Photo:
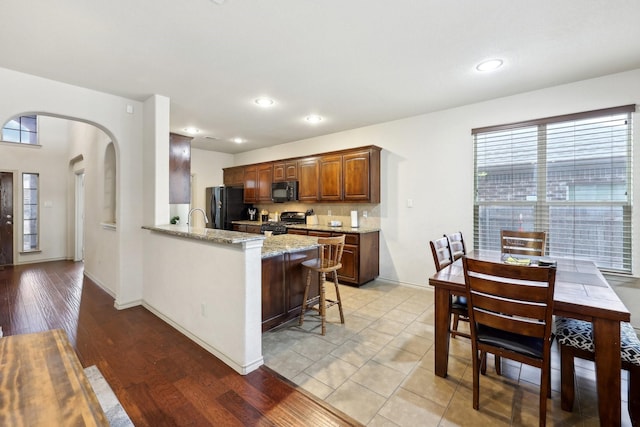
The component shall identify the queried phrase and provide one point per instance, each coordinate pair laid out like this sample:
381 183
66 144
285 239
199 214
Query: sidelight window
569 176
30 209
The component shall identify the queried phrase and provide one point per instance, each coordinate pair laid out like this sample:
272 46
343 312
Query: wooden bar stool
330 261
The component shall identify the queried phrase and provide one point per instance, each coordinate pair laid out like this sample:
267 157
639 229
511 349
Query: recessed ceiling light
264 102
490 64
238 140
313 118
191 131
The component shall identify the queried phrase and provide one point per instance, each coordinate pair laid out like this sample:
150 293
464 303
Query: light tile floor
378 367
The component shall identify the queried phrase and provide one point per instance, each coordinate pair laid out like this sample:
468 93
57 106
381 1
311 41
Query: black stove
286 218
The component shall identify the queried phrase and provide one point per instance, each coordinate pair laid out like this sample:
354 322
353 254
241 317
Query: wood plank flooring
160 376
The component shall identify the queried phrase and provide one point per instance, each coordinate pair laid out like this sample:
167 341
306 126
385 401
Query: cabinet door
251 184
179 169
349 270
296 280
233 176
296 231
308 174
265 173
239 227
273 291
255 229
291 170
278 172
357 182
331 178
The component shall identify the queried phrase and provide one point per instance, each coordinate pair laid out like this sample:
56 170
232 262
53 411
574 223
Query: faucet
206 220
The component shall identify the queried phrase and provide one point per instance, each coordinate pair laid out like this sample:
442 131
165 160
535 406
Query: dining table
581 292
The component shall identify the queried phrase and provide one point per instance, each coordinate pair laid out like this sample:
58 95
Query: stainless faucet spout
206 220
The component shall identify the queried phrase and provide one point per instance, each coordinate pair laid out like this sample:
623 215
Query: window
569 176
23 130
30 212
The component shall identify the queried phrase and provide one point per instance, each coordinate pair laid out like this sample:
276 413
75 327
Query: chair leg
338 299
454 327
544 387
498 362
477 362
567 378
633 399
304 298
323 303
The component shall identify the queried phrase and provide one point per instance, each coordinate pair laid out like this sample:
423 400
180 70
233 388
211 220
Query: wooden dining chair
456 245
510 313
440 249
457 249
329 262
575 339
531 243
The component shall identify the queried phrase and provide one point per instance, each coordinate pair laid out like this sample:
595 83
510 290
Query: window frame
35 132
24 216
541 205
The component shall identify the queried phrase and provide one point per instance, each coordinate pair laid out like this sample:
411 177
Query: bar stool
330 261
575 338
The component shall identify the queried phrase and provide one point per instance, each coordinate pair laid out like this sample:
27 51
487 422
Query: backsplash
331 211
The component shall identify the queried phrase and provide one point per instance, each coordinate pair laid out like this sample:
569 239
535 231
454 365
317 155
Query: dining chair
530 243
457 249
440 249
329 262
456 245
510 313
575 339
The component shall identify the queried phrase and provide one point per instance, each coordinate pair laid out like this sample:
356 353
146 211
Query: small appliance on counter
253 214
311 218
264 215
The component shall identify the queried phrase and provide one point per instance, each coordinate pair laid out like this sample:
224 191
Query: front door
6 218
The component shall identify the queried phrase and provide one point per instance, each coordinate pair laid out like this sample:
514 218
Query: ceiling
354 62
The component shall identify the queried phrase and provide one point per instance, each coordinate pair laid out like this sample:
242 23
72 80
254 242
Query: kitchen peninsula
215 292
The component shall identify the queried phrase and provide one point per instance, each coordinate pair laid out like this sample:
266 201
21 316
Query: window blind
568 175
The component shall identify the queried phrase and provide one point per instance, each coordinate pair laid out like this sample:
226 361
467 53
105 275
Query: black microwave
285 191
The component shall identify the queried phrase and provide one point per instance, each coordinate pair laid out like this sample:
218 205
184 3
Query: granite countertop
271 246
208 234
284 243
344 229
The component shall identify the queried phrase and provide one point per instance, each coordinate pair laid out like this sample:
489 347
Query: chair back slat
530 243
441 253
332 249
522 305
457 247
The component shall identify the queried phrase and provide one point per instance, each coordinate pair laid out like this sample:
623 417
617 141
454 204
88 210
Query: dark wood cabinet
251 184
179 169
331 178
233 176
255 229
361 172
283 283
308 176
295 231
285 171
239 227
360 258
265 178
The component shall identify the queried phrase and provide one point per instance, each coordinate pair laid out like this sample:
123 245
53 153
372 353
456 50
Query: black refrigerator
225 204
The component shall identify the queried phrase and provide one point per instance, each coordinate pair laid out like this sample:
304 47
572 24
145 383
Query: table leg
606 336
442 325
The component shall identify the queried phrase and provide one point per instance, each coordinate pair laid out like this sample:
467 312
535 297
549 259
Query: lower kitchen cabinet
360 258
283 283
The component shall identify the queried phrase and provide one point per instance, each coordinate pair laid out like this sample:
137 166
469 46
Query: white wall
429 159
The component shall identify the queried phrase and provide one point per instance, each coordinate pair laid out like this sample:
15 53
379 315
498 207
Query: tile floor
378 368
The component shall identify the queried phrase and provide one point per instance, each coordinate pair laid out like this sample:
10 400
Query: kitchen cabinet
285 171
251 184
361 174
240 227
308 177
233 176
179 169
331 178
360 258
245 228
265 178
296 231
283 283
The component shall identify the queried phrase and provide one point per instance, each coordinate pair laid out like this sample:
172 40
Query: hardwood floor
160 376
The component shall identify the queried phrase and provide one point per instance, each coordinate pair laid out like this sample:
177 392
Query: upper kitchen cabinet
265 178
179 169
251 184
331 178
361 174
233 176
308 179
285 171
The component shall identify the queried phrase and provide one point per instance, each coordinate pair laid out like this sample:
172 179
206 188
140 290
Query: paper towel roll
354 219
